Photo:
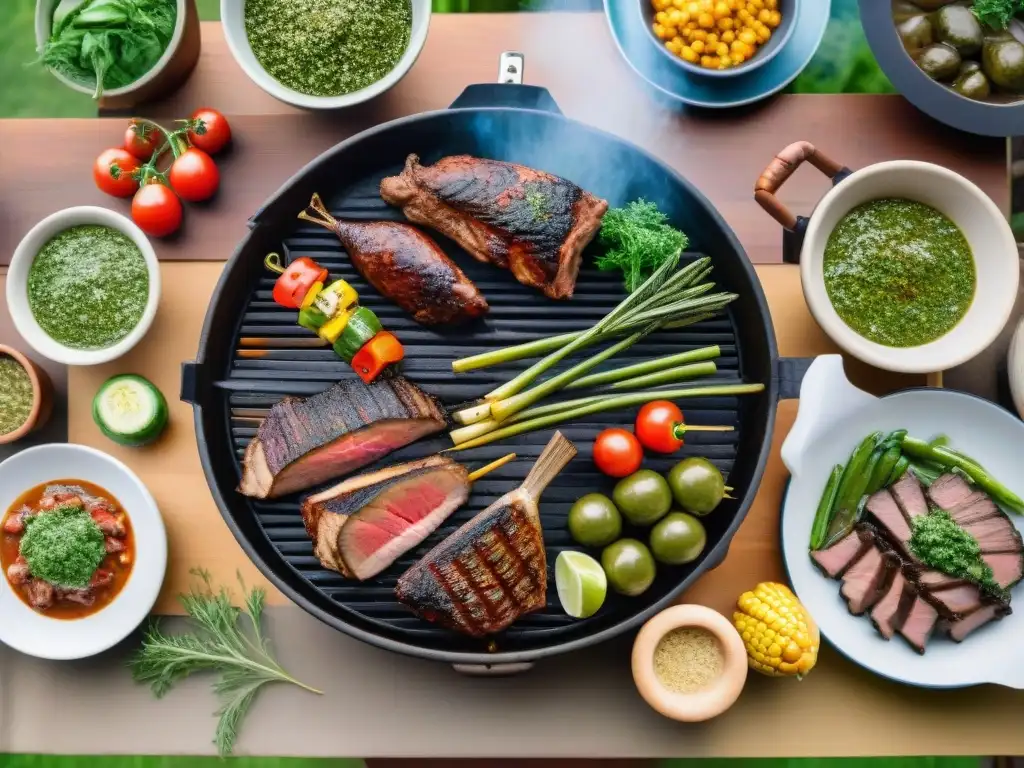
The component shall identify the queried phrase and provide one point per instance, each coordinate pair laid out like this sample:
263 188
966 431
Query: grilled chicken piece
493 569
362 525
303 442
834 561
919 624
514 217
405 266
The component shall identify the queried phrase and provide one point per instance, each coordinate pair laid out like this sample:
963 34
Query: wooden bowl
42 396
707 702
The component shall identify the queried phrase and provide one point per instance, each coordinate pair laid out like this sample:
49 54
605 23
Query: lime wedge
582 584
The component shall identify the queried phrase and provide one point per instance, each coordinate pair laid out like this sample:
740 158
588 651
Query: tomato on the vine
113 171
141 140
156 209
194 175
209 130
617 452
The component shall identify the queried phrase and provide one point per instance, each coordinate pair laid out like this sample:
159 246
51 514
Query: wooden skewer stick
476 475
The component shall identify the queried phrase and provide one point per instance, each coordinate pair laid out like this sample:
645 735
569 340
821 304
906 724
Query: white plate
834 417
36 634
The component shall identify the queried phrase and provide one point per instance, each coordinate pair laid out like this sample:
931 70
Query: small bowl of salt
689 663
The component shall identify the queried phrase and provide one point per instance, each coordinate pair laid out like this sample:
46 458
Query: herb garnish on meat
941 544
63 547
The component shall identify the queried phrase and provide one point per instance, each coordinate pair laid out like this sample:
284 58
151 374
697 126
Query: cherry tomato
210 131
124 185
655 426
156 209
617 452
194 175
142 141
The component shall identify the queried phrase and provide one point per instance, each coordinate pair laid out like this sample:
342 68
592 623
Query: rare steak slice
834 561
919 624
891 611
890 518
974 508
304 442
995 534
958 630
949 491
909 496
868 579
1007 567
956 601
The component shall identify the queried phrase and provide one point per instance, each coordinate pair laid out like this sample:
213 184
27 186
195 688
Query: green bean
884 468
823 517
898 471
950 460
855 480
939 441
896 436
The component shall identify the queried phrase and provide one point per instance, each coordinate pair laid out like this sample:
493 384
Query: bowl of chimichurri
26 395
325 54
83 286
906 265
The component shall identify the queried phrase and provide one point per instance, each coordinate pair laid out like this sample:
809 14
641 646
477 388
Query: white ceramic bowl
17 285
35 633
987 231
232 15
44 25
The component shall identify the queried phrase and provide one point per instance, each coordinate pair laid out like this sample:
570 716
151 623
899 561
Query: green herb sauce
328 47
63 547
898 272
88 287
941 544
15 394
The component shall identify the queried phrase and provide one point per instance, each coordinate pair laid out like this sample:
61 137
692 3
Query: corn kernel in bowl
715 34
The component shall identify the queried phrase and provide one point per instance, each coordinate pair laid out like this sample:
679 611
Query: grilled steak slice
868 579
493 569
958 630
891 611
406 266
931 579
954 602
892 522
995 534
1007 567
909 496
834 561
362 525
975 507
919 624
515 217
304 442
949 491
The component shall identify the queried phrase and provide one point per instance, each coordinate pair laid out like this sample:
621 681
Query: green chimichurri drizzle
15 394
899 272
88 287
328 47
940 543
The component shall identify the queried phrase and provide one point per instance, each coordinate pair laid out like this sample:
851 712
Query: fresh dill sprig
219 644
997 13
638 241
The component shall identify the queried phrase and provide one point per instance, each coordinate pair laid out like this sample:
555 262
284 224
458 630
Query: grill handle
189 382
509 92
491 670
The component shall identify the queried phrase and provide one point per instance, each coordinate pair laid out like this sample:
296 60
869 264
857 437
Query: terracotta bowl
708 702
42 396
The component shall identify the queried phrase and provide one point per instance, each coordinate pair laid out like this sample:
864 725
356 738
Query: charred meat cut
891 611
883 507
493 569
303 442
974 508
994 534
919 624
868 579
958 630
405 266
514 217
909 496
834 561
954 602
1007 567
949 491
362 525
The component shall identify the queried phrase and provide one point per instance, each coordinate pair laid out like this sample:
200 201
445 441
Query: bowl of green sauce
83 286
325 54
906 265
26 395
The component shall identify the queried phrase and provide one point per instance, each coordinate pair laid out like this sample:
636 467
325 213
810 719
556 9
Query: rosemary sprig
219 644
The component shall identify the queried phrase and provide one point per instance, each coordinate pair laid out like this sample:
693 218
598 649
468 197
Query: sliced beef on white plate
975 507
928 578
868 579
891 611
1007 567
834 561
919 624
955 602
958 630
949 491
883 508
909 496
995 534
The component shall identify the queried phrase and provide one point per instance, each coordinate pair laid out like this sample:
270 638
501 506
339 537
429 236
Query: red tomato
210 131
122 186
194 175
142 141
655 426
157 210
617 452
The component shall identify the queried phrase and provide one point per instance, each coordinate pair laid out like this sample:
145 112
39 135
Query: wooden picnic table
378 704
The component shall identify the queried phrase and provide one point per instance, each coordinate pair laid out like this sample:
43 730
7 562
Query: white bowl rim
238 43
894 358
44 27
149 572
17 298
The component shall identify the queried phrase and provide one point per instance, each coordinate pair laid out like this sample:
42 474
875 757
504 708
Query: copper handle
781 168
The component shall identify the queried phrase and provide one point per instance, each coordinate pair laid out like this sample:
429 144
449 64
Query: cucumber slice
130 410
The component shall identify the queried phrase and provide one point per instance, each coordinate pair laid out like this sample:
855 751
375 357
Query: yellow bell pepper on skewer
332 329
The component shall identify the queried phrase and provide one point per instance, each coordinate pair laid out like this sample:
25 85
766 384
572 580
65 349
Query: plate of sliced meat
901 529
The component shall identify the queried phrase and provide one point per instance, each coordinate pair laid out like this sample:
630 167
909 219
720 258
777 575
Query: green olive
973 85
939 61
915 32
643 498
629 566
697 485
678 538
957 26
594 520
1002 59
